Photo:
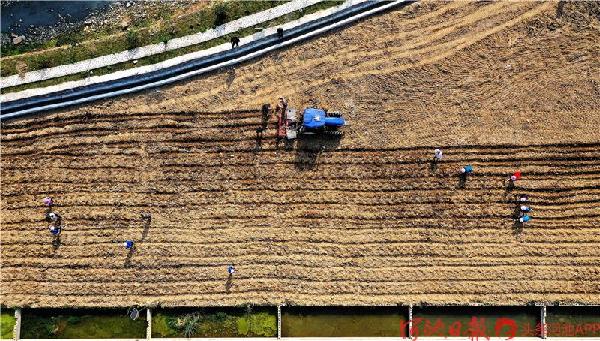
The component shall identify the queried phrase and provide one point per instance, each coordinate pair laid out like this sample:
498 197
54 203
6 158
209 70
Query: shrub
133 39
220 14
188 324
73 319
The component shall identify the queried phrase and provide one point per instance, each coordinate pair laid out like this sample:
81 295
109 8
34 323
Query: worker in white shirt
437 155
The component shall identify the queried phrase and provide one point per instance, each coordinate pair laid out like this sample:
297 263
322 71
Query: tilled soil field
360 220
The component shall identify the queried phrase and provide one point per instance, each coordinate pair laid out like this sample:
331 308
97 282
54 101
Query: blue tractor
317 121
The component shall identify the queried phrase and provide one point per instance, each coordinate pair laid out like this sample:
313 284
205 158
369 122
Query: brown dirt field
500 85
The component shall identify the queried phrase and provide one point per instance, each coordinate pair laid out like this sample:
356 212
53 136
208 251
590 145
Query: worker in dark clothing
53 217
235 42
266 112
280 33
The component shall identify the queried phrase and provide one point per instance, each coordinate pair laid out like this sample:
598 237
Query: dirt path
366 220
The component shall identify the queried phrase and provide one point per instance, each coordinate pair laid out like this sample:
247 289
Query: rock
18 40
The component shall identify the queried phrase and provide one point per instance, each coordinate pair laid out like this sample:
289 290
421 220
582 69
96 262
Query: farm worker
231 270
128 244
235 42
525 208
52 217
266 112
524 219
55 230
523 198
282 103
48 201
437 155
516 176
468 169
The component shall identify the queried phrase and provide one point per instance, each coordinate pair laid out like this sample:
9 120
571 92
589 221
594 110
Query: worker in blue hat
467 170
128 244
464 173
524 218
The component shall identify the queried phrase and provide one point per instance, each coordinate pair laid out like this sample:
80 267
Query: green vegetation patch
344 322
72 47
215 322
80 324
7 323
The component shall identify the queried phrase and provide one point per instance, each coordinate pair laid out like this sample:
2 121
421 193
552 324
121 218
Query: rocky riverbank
29 26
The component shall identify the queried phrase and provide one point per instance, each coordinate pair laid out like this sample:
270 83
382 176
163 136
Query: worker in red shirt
516 176
512 179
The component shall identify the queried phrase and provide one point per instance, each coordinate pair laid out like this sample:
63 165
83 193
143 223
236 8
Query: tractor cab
318 121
